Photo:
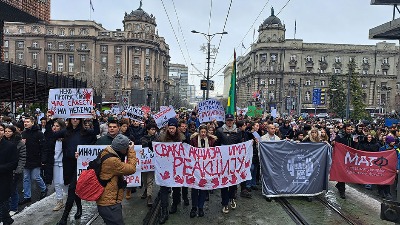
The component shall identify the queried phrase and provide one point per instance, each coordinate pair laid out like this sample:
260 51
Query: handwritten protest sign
146 109
211 109
135 180
163 107
70 102
241 111
135 113
146 160
254 111
87 153
162 117
179 164
115 110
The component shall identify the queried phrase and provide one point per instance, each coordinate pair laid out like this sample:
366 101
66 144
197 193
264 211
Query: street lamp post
209 37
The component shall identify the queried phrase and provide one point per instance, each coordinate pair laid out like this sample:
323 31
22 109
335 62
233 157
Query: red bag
88 187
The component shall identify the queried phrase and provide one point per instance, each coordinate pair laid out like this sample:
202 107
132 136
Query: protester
148 177
384 190
8 163
228 134
113 169
11 134
35 158
200 140
74 135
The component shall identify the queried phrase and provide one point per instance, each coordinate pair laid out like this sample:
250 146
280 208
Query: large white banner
135 113
179 164
162 117
211 109
88 153
71 102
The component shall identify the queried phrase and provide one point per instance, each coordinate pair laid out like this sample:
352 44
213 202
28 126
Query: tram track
301 219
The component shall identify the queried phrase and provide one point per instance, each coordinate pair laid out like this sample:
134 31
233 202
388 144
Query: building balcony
309 64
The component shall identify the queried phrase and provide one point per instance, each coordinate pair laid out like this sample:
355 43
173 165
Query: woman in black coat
73 136
8 163
369 144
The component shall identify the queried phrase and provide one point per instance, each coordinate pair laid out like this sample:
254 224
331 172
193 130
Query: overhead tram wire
253 25
262 10
180 29
220 39
209 18
173 30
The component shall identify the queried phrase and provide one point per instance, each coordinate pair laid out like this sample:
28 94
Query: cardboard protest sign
162 117
211 109
178 164
135 113
135 180
70 102
87 153
146 160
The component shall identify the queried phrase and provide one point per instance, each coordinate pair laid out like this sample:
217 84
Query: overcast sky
318 21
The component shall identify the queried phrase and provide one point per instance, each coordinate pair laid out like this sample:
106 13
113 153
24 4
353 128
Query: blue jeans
32 174
14 193
252 182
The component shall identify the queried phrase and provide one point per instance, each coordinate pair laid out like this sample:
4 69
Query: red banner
353 166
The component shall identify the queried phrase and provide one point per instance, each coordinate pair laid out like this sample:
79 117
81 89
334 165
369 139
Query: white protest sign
242 111
162 108
135 113
178 164
115 110
135 180
71 102
162 117
273 112
211 109
146 160
41 115
87 153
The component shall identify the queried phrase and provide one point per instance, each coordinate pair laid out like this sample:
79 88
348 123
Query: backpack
89 186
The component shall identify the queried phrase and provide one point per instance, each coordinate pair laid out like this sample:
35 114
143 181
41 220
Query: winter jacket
346 139
285 130
112 168
16 139
226 136
371 146
147 141
8 163
36 148
194 140
137 133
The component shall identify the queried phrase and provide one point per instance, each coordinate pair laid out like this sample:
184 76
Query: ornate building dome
140 15
272 20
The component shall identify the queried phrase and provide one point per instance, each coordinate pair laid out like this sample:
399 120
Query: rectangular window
351 59
49 58
61 32
118 59
82 68
71 32
34 65
365 60
60 45
337 59
118 70
104 70
136 59
104 59
263 57
385 60
6 44
20 44
20 55
271 81
293 57
118 49
322 83
307 96
83 58
72 46
49 66
323 58
83 46
309 58
147 51
274 57
34 55
21 30
6 56
137 50
337 71
60 58
147 61
71 59
103 48
308 83
35 44
71 68
60 67
322 71
49 45
384 72
365 72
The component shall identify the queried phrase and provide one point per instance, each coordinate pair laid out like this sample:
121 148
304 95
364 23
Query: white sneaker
59 205
12 213
233 204
225 209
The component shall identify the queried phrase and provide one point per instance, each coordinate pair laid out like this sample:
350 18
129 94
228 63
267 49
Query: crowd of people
44 150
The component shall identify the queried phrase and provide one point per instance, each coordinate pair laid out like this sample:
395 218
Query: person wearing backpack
113 169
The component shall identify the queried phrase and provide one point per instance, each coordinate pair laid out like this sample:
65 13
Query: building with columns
131 63
284 71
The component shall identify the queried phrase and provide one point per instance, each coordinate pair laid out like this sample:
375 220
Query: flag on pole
295 27
231 107
243 45
91 5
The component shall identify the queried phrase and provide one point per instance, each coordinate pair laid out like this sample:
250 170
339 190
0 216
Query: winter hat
120 142
389 139
173 122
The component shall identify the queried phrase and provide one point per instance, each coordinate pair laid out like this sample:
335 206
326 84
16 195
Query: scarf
199 145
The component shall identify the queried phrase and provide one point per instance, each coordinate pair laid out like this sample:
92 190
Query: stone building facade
283 72
123 64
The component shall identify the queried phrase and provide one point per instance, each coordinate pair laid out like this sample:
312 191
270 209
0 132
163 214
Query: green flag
231 107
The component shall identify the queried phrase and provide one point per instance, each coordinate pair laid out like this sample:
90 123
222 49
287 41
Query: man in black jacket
228 134
347 139
8 163
35 158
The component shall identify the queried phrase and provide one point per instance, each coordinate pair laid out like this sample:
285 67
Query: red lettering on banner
186 167
237 149
57 103
174 150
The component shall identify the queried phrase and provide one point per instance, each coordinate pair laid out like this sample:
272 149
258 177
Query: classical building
123 64
283 72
